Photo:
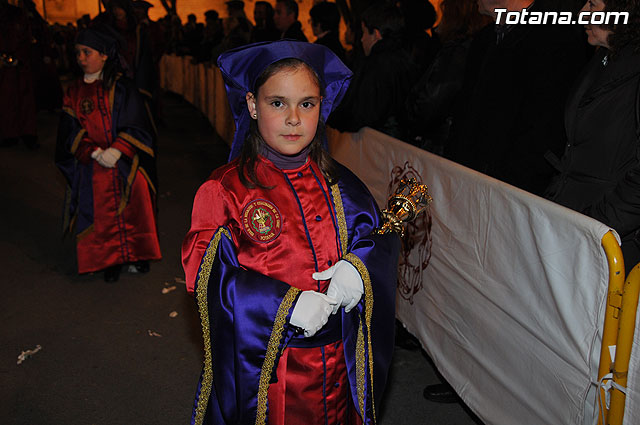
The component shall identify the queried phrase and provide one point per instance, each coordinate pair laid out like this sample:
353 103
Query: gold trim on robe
146 177
360 369
203 307
368 306
271 353
124 200
145 93
150 114
85 232
368 314
342 222
70 111
112 94
135 142
76 141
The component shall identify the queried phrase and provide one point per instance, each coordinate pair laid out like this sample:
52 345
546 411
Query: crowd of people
551 109
28 76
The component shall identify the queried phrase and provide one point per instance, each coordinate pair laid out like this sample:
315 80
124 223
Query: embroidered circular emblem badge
261 220
86 106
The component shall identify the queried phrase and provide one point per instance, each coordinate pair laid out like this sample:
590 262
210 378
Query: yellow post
623 346
612 312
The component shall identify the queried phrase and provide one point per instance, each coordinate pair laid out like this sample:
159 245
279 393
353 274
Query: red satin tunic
286 233
114 238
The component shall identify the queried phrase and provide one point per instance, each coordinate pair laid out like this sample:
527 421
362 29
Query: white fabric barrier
505 290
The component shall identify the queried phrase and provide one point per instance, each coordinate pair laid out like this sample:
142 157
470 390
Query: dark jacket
294 32
377 94
600 169
430 103
510 112
332 41
268 33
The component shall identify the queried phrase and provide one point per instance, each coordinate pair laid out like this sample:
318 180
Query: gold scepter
410 199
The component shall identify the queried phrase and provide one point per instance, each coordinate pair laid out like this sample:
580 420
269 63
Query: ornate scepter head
410 199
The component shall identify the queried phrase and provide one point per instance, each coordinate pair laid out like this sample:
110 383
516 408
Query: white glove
311 312
109 157
96 153
345 286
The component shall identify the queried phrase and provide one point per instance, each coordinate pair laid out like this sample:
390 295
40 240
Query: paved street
112 354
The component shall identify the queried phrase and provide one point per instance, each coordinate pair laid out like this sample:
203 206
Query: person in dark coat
430 103
17 99
235 9
419 17
152 28
237 29
135 45
192 33
47 87
325 23
286 19
600 168
516 82
212 36
381 81
265 28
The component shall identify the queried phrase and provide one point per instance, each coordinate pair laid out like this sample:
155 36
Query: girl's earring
255 115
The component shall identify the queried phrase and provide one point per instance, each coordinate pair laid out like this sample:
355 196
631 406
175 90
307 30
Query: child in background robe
296 295
106 152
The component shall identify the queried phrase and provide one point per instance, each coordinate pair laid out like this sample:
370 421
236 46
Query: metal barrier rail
619 327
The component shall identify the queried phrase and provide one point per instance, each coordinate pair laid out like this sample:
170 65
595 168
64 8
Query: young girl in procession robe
295 292
106 152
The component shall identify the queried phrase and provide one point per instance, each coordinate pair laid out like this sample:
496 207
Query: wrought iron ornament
410 199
